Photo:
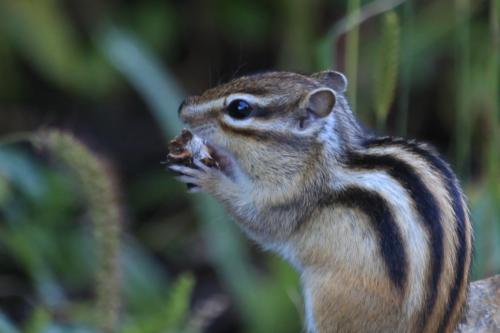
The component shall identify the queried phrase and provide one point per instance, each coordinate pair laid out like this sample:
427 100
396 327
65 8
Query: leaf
171 315
38 322
41 32
143 279
4 190
145 73
177 305
6 326
22 172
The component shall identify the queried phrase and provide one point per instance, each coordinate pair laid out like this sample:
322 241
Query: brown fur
280 170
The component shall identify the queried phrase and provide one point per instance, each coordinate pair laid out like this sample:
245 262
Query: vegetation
96 237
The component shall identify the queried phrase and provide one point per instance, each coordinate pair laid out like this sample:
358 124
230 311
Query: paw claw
187 179
185 170
194 189
199 177
200 165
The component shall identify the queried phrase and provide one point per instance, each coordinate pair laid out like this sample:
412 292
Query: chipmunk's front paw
199 178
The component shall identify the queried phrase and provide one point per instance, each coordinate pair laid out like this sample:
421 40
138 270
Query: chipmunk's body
377 227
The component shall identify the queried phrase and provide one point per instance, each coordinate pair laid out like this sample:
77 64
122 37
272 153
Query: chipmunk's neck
340 134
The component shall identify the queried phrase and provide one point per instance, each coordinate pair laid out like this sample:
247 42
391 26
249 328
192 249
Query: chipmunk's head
272 122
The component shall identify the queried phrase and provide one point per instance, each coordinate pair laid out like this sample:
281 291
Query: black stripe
382 220
452 187
426 206
262 113
296 143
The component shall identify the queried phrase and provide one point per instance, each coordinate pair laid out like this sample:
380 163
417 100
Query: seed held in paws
186 148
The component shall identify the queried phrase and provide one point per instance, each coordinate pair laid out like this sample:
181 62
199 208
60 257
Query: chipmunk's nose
186 104
183 110
179 110
183 105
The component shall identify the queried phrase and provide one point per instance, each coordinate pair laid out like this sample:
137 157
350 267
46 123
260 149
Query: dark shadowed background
95 235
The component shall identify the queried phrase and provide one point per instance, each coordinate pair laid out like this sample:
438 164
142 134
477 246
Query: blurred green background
95 236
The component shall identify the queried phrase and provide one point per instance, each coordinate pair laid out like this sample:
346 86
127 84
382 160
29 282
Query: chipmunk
378 227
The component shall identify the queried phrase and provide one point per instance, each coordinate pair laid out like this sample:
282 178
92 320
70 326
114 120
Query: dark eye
239 109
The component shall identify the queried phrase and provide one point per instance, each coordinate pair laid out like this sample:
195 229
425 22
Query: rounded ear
332 79
319 101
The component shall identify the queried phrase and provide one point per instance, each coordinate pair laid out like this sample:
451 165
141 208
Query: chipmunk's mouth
225 159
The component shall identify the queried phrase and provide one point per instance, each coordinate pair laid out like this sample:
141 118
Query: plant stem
352 48
406 67
298 35
493 162
326 50
463 123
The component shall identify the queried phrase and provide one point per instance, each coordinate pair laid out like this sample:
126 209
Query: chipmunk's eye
239 109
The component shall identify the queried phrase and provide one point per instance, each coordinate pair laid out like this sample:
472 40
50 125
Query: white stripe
310 323
414 236
252 99
206 106
222 102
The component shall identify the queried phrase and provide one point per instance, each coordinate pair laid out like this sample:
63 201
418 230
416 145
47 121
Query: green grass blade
463 123
47 39
406 67
7 326
144 72
386 72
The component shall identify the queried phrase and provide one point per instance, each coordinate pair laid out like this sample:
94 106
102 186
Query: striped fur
427 208
377 227
462 223
383 223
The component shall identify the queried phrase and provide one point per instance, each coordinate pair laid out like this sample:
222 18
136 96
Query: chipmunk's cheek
218 146
224 158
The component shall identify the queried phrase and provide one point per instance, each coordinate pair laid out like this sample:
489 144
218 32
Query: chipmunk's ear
319 101
332 79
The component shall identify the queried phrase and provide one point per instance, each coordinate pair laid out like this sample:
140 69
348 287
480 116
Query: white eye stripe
243 123
252 99
206 106
223 102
